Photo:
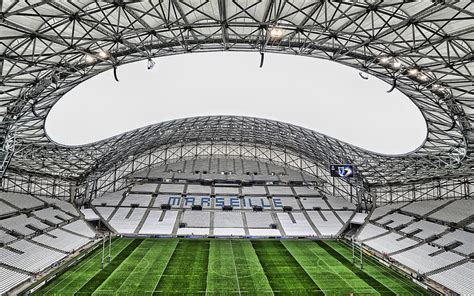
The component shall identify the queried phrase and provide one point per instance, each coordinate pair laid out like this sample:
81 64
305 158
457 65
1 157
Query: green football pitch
228 267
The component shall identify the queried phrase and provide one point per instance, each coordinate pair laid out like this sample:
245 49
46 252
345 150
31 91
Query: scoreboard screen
341 170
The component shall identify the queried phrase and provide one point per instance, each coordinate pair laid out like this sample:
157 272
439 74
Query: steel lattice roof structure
424 49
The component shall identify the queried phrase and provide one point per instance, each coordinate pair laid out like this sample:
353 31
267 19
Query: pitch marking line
167 263
235 267
129 274
396 274
327 266
92 258
368 278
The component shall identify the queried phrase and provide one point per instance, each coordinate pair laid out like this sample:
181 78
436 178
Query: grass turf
228 267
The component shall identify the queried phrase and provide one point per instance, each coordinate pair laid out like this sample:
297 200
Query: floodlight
413 72
384 60
276 32
396 64
438 88
90 59
104 54
423 77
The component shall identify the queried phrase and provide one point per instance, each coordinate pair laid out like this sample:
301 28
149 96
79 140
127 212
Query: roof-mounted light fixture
275 32
413 72
104 54
396 64
90 59
384 60
422 76
438 88
390 62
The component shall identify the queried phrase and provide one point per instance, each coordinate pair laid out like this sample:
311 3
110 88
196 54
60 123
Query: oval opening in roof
320 95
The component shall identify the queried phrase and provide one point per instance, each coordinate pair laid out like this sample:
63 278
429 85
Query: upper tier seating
280 190
287 201
198 189
465 238
171 188
428 229
5 237
204 201
144 188
395 220
254 190
201 165
63 205
52 215
5 209
234 191
338 203
459 278
248 202
225 165
422 208
31 257
215 167
111 199
314 202
233 201
383 210
173 200
21 201
142 200
305 191
370 230
455 212
9 279
23 225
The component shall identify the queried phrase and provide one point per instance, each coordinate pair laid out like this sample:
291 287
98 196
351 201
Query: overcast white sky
324 96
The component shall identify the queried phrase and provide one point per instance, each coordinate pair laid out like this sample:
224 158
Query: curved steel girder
46 42
317 147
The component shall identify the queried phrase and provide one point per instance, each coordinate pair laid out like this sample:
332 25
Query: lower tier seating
432 238
295 224
459 278
9 279
175 222
28 256
36 234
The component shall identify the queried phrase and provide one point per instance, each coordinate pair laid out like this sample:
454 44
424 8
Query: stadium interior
235 204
